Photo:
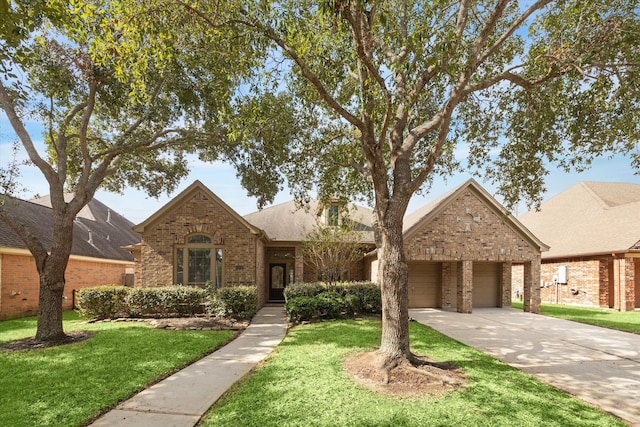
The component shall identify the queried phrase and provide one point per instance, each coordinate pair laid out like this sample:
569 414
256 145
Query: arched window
198 261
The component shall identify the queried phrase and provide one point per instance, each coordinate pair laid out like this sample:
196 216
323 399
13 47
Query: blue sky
221 179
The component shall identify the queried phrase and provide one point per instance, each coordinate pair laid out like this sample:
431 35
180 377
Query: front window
198 262
333 213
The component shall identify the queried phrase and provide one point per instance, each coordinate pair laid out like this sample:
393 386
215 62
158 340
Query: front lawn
69 385
303 384
627 321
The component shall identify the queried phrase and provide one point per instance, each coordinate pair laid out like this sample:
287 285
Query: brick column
532 286
505 284
465 286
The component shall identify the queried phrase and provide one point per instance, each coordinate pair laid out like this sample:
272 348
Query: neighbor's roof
423 215
291 223
589 218
109 230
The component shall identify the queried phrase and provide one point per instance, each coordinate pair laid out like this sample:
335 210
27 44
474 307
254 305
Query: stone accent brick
465 286
467 229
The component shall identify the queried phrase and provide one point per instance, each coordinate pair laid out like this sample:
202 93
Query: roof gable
184 197
589 218
422 217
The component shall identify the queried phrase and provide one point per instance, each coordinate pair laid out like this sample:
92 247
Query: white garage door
485 284
424 284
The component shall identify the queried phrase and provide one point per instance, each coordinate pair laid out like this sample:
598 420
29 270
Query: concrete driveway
598 365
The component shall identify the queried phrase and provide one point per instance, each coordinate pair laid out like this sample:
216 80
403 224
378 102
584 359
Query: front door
277 281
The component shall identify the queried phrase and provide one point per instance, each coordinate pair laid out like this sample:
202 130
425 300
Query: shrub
165 301
368 294
102 302
301 308
333 300
237 302
330 304
303 289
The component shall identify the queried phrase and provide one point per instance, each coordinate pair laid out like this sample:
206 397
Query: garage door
485 284
424 284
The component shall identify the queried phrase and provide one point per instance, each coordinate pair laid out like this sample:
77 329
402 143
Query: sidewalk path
181 399
600 366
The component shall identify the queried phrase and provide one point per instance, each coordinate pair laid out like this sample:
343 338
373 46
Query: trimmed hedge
236 302
166 301
102 302
105 302
300 309
305 301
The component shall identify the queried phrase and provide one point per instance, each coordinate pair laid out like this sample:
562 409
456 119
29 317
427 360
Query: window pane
199 265
199 238
333 215
218 267
179 266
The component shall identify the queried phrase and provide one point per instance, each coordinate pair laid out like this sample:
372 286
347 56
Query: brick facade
20 283
199 213
603 281
465 230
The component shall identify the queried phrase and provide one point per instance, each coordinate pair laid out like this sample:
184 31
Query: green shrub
330 304
333 300
368 294
237 302
304 289
300 309
102 302
144 302
165 301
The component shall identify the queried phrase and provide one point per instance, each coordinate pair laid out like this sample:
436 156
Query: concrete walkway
182 399
598 365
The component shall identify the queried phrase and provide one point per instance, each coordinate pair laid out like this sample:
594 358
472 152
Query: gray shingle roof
109 230
290 223
588 218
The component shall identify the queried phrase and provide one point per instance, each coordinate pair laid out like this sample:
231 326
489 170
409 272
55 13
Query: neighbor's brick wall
19 282
591 277
197 215
467 229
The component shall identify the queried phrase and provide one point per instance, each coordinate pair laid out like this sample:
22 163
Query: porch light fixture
432 250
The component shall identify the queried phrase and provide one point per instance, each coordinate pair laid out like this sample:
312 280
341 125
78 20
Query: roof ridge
591 191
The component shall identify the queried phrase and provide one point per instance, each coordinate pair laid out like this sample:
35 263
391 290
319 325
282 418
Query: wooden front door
277 281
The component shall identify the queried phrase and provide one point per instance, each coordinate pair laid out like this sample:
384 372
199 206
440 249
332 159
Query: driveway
598 365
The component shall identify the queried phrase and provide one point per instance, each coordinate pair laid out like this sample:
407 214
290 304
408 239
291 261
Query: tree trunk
50 307
395 291
52 279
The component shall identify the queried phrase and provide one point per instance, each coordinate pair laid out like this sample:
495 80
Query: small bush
300 309
330 304
331 301
102 302
303 289
368 294
237 302
165 301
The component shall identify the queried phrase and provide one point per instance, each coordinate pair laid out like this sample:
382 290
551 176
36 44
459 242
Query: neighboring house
593 229
460 248
96 255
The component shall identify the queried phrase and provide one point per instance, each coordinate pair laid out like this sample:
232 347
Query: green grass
628 321
303 384
71 384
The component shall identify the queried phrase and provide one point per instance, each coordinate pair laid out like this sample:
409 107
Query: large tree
118 108
388 92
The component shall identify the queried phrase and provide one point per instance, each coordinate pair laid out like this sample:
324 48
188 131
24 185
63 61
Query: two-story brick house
460 248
